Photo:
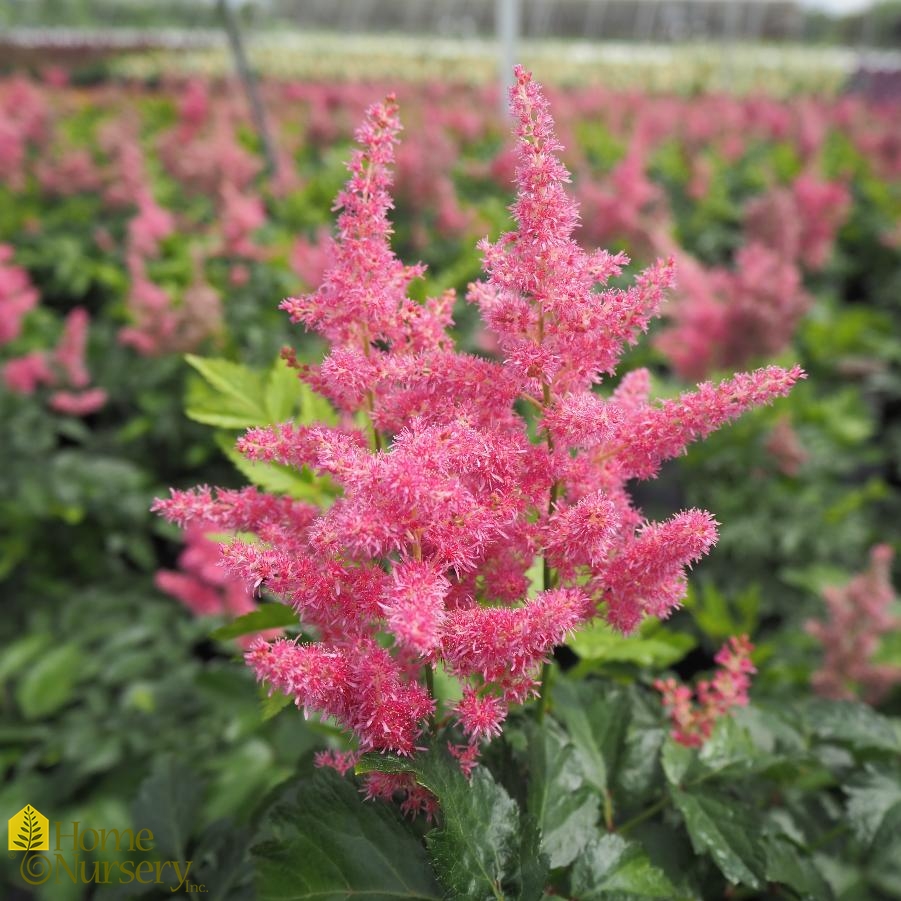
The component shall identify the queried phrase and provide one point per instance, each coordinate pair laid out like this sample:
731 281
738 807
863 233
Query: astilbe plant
423 560
859 614
694 714
62 368
203 586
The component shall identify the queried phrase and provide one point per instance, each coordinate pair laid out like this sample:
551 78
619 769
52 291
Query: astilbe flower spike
693 721
858 615
446 504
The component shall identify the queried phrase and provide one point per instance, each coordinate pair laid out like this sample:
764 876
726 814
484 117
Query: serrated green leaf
596 717
884 864
476 847
729 749
232 397
167 804
638 770
483 848
727 831
565 806
322 840
266 616
787 865
612 864
275 478
871 795
856 725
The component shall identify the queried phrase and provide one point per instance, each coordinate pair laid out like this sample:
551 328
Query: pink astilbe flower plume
427 557
693 721
62 368
205 587
17 296
858 615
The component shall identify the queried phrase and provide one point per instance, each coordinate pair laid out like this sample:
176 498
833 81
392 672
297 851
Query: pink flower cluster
799 222
447 502
63 368
728 317
693 714
202 585
858 615
17 296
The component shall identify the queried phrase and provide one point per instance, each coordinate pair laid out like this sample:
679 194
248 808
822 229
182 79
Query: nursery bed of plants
557 464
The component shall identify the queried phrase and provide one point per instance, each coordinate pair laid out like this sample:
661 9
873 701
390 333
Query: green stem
646 814
430 687
544 695
548 575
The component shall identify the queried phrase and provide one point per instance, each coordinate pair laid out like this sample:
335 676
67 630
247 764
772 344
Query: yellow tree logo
29 830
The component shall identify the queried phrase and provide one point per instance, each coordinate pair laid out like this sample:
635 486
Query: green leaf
785 864
476 850
596 717
49 682
483 848
275 477
655 646
535 577
266 616
167 804
15 656
322 840
729 748
533 864
638 770
613 864
870 797
727 831
677 761
853 724
283 392
565 806
241 776
884 864
273 704
232 398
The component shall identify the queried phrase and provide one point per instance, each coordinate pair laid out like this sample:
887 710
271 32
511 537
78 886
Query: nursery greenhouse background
451 449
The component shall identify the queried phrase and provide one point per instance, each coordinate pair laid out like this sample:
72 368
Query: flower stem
430 687
608 810
544 697
646 814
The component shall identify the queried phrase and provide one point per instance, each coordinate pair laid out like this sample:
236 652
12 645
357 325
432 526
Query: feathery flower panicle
203 585
693 721
447 507
17 296
62 368
647 576
858 615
